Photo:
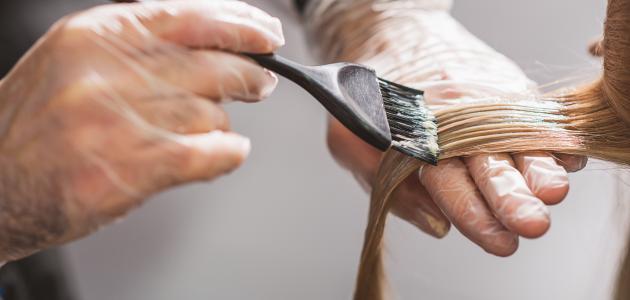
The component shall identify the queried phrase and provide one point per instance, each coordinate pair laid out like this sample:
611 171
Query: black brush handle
323 83
318 81
293 71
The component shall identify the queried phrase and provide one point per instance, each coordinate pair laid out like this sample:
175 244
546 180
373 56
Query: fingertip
215 153
257 83
269 26
534 228
546 179
222 142
224 76
554 194
504 244
231 148
277 39
235 143
440 227
268 86
241 146
571 163
532 220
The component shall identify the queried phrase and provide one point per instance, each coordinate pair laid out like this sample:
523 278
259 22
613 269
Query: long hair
591 120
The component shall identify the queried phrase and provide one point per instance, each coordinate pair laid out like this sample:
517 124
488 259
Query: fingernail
431 225
504 244
440 227
270 86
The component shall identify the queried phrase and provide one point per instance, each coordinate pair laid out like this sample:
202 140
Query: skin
120 102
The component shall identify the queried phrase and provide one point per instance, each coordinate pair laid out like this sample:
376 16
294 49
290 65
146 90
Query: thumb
212 154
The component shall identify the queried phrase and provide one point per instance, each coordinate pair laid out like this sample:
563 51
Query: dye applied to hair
593 120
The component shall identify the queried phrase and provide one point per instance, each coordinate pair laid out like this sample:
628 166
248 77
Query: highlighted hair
592 120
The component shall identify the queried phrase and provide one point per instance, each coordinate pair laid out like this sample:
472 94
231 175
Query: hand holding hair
491 198
118 102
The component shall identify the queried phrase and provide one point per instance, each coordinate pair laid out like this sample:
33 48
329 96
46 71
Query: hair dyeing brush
380 112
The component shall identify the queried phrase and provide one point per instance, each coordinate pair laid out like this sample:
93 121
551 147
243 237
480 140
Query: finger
452 189
184 114
508 195
157 163
215 74
212 74
226 25
209 155
571 163
412 203
545 178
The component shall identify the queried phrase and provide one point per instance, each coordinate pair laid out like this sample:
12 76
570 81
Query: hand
492 199
117 103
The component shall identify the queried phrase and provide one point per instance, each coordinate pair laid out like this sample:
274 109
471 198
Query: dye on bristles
411 123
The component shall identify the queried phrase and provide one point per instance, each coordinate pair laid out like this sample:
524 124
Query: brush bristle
412 125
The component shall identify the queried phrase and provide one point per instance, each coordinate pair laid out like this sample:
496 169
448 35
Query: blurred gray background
289 223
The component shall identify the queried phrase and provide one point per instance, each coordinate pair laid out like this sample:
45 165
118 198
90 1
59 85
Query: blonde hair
592 120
